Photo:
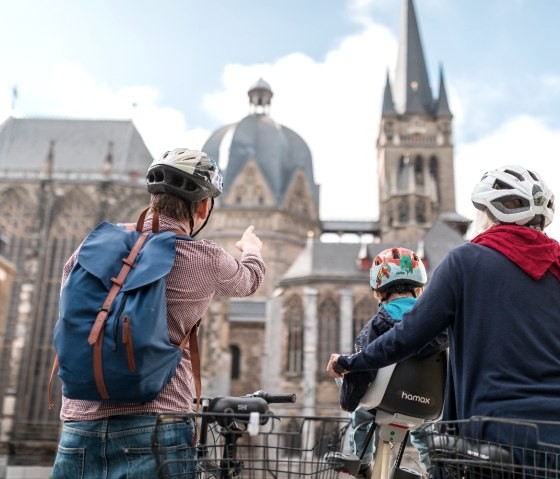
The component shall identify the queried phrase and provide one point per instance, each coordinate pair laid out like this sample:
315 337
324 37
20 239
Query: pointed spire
442 106
388 104
108 164
49 160
260 95
412 91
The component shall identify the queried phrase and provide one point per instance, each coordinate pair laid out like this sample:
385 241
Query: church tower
415 145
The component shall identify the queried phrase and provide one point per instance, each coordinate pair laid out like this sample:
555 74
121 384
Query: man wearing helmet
499 298
183 184
397 278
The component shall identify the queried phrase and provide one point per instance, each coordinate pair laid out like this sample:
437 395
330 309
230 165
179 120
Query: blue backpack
111 338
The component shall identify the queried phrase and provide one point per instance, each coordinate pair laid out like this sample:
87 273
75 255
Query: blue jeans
361 421
120 447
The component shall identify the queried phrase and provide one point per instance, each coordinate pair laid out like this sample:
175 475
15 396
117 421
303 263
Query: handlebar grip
276 398
338 368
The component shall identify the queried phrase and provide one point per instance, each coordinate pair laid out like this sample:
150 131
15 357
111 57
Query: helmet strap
191 221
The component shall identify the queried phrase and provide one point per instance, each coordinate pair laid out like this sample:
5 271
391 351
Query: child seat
412 388
404 395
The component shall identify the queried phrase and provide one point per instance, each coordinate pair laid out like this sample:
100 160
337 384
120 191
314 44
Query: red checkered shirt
202 269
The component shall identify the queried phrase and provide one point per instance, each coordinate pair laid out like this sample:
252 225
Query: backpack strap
192 340
53 370
139 226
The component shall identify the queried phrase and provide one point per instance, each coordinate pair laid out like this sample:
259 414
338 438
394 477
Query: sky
181 69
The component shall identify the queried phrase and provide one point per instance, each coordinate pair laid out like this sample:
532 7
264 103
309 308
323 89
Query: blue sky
187 65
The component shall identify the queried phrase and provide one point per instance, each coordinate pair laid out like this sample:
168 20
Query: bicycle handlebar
338 368
277 398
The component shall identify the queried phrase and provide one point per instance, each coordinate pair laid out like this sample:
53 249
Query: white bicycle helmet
190 174
512 194
397 267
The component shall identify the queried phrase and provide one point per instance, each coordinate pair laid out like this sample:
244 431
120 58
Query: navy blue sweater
504 334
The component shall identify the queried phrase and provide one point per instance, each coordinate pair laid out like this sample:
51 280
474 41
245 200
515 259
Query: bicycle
241 437
489 447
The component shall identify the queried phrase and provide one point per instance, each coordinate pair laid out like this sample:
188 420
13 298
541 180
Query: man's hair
172 206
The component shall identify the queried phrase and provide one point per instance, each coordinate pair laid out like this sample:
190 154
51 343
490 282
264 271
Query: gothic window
420 211
235 361
434 173
419 171
250 175
239 195
388 127
402 177
329 329
294 316
363 311
299 198
403 211
292 437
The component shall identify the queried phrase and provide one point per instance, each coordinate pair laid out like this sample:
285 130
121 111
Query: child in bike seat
397 278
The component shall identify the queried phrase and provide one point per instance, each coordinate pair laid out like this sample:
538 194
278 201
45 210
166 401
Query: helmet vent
500 185
516 174
533 175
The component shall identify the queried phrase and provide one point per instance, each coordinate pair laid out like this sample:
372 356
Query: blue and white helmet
513 194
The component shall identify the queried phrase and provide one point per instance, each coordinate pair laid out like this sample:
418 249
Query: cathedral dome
279 153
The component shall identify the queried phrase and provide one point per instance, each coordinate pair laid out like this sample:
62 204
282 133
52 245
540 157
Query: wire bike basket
252 446
492 448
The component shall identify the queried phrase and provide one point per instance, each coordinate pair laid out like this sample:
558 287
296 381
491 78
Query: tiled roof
78 145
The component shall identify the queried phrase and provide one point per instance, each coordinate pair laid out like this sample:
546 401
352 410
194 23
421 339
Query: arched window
402 177
419 171
363 311
434 173
403 211
294 315
420 211
235 361
292 437
329 329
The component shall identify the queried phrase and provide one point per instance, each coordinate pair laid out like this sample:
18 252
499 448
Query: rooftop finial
108 164
49 160
260 95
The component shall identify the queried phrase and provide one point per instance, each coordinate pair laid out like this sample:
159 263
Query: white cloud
334 105
69 91
523 140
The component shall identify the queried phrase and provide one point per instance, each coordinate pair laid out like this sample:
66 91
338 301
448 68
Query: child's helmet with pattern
397 266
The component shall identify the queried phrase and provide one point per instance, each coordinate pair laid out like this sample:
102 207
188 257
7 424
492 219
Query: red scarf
530 249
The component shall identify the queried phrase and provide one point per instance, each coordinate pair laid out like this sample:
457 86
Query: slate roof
277 150
79 145
338 262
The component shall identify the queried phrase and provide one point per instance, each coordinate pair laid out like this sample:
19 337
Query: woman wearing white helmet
110 437
499 298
